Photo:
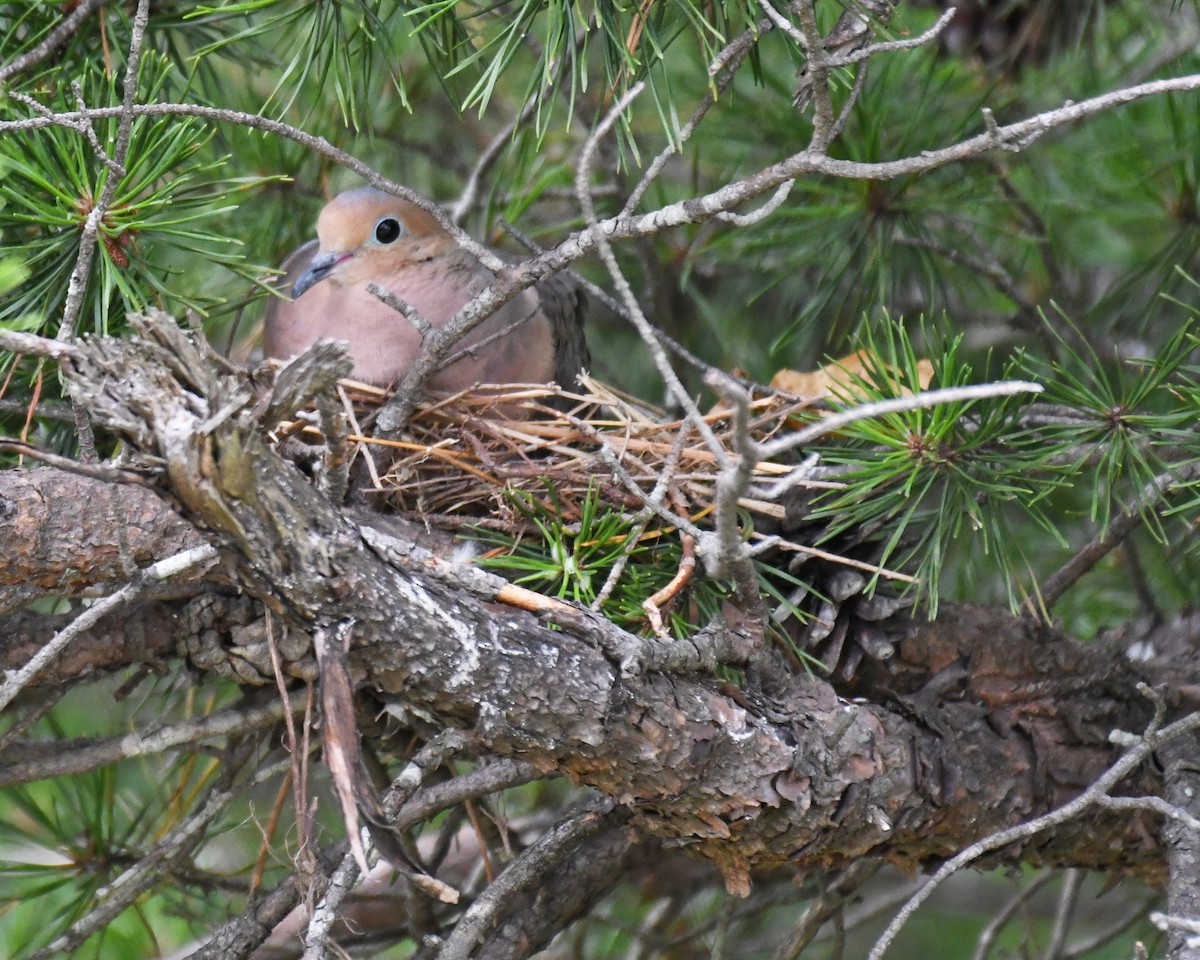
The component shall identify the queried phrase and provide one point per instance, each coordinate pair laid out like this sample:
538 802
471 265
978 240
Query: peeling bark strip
954 746
340 736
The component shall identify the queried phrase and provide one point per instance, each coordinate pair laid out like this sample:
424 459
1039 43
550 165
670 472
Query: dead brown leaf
843 377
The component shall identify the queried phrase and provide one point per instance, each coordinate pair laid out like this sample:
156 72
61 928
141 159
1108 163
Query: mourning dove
366 235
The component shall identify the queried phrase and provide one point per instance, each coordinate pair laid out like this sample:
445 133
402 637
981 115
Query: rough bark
980 721
63 532
1182 787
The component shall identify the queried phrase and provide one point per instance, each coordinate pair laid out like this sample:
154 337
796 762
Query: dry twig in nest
461 453
491 457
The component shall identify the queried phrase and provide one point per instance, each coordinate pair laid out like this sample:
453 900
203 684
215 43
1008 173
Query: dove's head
366 234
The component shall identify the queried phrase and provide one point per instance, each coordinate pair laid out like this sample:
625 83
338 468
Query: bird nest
461 458
504 458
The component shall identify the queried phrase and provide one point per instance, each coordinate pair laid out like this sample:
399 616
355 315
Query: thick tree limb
974 738
58 534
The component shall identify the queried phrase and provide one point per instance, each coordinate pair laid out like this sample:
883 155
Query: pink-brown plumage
425 267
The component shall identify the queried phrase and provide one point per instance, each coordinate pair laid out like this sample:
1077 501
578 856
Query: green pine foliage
924 479
1096 230
1073 263
572 560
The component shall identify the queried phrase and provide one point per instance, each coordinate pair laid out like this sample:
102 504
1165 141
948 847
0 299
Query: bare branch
1087 945
54 39
348 874
91 226
46 409
749 219
999 920
1064 912
156 573
1181 784
1061 580
694 210
87 131
1128 762
29 344
853 31
817 74
402 307
889 46
641 324
860 84
241 936
426 803
1156 805
1173 924
107 472
533 865
142 743
726 547
783 23
642 518
917 401
613 461
832 899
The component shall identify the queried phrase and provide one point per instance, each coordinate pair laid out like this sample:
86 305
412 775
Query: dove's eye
388 230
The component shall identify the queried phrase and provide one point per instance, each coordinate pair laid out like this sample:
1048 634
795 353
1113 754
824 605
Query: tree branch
805 777
54 39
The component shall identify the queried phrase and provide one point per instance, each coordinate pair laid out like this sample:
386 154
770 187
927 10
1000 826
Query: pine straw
462 456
